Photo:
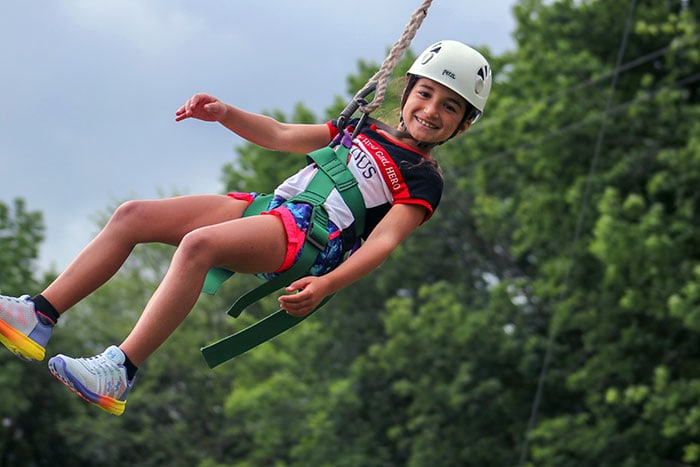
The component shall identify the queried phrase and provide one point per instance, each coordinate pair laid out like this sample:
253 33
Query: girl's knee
128 218
127 211
196 246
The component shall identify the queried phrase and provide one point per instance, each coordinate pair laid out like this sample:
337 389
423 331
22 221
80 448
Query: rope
577 235
381 77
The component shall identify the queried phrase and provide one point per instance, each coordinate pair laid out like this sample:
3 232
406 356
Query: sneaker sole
19 344
106 403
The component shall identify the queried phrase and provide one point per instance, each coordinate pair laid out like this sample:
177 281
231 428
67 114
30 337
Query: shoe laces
19 301
100 365
108 374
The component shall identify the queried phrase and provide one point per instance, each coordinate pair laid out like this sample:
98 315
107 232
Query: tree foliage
539 248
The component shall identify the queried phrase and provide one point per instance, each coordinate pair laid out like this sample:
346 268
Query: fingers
301 301
297 304
200 106
185 111
181 114
299 284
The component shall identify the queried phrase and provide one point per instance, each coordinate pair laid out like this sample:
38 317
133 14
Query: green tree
621 298
620 354
21 397
435 358
21 233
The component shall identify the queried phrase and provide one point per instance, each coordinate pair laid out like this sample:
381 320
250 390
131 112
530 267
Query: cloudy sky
90 88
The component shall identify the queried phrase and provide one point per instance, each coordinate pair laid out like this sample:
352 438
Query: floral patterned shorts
296 218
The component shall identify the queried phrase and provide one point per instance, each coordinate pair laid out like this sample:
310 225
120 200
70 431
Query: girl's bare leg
134 222
252 244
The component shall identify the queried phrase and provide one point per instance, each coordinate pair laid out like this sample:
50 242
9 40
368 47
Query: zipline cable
584 203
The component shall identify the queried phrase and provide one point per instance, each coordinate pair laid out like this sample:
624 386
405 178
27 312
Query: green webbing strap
269 327
333 173
333 165
215 277
252 336
298 270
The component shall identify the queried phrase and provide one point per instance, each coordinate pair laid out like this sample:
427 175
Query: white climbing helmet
459 68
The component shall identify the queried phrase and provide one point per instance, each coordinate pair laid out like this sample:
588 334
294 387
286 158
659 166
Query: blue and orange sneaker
101 380
22 330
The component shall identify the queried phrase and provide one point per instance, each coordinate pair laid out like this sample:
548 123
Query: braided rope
381 77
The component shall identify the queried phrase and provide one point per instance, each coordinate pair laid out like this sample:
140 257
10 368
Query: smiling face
433 113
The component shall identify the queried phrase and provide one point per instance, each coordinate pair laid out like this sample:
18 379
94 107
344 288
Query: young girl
399 181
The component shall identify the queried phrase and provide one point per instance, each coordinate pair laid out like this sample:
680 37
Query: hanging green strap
265 329
215 277
332 173
299 269
271 326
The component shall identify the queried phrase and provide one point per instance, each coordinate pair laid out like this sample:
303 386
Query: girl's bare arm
258 129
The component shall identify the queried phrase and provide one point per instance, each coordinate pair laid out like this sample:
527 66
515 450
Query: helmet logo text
449 74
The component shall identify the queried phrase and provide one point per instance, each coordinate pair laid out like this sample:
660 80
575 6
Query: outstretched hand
305 295
202 107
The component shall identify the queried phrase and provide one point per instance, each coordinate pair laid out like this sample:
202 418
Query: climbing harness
333 173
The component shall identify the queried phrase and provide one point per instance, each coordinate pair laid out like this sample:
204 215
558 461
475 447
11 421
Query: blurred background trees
435 359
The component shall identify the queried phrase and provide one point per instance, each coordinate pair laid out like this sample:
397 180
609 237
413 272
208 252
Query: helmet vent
481 75
428 55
